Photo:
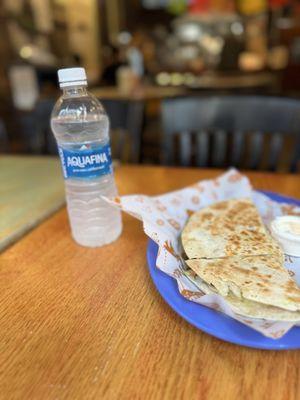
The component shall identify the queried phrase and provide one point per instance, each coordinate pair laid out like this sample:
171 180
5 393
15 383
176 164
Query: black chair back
43 132
242 131
125 123
35 128
4 142
126 119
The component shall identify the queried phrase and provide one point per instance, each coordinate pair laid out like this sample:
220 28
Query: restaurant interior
162 263
157 66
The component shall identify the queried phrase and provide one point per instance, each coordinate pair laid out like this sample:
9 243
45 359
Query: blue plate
213 322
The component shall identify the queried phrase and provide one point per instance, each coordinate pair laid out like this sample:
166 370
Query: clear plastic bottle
81 128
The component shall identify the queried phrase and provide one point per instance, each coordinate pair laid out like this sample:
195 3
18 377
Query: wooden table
31 189
79 323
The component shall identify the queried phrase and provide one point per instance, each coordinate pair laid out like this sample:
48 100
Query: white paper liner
165 216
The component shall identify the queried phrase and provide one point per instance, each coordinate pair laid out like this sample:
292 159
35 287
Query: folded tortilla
259 279
247 308
228 228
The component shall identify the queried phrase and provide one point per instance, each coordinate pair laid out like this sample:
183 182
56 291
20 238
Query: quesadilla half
228 228
246 308
259 279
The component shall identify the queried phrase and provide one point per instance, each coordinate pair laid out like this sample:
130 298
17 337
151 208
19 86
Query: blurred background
140 55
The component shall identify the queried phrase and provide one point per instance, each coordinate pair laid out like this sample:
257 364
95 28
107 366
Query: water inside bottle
93 221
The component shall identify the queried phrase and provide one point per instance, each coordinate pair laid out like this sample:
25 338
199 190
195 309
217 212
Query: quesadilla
228 228
246 308
231 253
261 279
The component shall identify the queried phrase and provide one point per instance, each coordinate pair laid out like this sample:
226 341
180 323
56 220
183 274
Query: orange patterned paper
164 217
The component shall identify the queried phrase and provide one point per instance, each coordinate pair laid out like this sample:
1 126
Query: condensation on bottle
81 128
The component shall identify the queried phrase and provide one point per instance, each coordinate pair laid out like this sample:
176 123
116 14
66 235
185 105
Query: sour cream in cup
286 229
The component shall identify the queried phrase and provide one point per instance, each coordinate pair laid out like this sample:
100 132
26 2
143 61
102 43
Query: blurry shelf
238 81
143 93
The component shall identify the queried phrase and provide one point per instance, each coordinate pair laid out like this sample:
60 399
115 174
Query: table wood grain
79 323
31 189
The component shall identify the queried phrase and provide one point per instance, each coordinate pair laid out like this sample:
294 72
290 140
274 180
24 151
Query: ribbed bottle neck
75 91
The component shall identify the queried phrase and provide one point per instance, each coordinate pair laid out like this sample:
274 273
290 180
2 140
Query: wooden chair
242 131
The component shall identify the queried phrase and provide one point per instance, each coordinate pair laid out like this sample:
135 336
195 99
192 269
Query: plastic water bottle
81 128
